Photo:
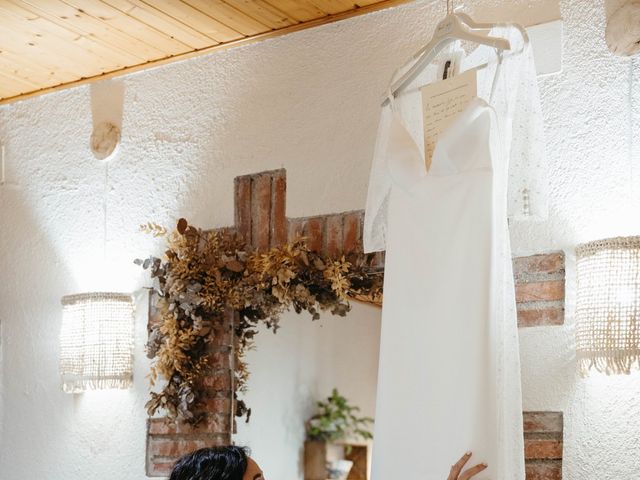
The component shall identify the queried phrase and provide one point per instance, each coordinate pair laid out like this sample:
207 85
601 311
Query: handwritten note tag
442 102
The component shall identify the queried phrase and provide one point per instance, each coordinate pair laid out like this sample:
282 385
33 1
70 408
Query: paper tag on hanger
450 66
442 102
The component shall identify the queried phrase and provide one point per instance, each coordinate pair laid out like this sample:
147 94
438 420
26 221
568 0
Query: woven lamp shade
96 341
608 305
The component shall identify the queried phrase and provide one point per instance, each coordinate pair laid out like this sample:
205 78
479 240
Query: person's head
217 463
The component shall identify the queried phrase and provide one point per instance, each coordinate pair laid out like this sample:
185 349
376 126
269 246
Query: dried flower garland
205 274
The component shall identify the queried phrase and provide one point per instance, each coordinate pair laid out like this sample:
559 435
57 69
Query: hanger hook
451 7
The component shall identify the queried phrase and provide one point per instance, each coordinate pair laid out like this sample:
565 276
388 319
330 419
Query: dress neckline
412 166
407 168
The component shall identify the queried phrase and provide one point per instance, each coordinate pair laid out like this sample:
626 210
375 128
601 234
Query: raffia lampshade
96 341
608 305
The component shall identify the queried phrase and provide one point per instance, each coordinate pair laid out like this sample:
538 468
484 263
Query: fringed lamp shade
96 341
608 305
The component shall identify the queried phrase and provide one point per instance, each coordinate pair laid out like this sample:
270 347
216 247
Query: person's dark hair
217 463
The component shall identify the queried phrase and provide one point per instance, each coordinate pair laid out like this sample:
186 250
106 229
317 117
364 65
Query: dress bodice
464 146
509 94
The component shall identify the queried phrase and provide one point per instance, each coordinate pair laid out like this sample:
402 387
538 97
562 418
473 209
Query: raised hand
457 473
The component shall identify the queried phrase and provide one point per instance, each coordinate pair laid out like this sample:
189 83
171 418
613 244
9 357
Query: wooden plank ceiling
52 44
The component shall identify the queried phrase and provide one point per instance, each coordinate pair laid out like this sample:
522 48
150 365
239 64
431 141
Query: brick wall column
543 445
166 442
260 204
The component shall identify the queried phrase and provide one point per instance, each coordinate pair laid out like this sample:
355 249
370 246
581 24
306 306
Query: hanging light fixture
608 305
96 337
96 341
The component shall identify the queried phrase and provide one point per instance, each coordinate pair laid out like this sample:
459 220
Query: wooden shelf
317 454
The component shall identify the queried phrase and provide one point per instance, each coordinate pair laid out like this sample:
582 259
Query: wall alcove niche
260 217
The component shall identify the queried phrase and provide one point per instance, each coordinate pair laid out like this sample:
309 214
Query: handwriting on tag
442 102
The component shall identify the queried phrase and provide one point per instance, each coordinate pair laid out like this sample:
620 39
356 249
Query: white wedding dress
449 375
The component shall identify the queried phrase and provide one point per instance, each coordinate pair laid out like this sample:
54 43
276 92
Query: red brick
220 440
213 424
542 449
219 405
158 426
548 470
220 360
334 235
160 468
351 236
159 464
260 211
222 333
540 317
540 291
543 422
216 424
219 382
314 228
549 263
169 447
279 231
242 207
296 228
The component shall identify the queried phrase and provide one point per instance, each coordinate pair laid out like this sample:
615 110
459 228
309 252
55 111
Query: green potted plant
328 433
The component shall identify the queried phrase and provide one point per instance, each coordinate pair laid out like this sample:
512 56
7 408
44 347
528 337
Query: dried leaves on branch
204 275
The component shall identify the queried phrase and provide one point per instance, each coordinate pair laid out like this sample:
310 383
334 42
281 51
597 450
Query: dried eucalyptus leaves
205 274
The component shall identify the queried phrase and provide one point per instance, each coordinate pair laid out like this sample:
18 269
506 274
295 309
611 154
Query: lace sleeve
528 182
375 215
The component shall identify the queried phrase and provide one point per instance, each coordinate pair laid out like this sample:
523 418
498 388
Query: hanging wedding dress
449 374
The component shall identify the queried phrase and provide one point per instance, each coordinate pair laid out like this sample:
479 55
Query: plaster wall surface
307 102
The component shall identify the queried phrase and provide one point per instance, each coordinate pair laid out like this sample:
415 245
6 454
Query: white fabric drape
449 376
517 104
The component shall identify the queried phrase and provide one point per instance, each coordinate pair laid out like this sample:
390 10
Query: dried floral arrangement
205 274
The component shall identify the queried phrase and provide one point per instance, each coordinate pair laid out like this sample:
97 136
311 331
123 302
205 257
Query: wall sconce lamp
608 305
96 341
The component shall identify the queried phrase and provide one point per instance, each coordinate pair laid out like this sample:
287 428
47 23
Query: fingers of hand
473 471
457 468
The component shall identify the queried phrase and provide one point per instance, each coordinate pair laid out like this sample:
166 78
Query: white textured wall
307 102
591 112
296 367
